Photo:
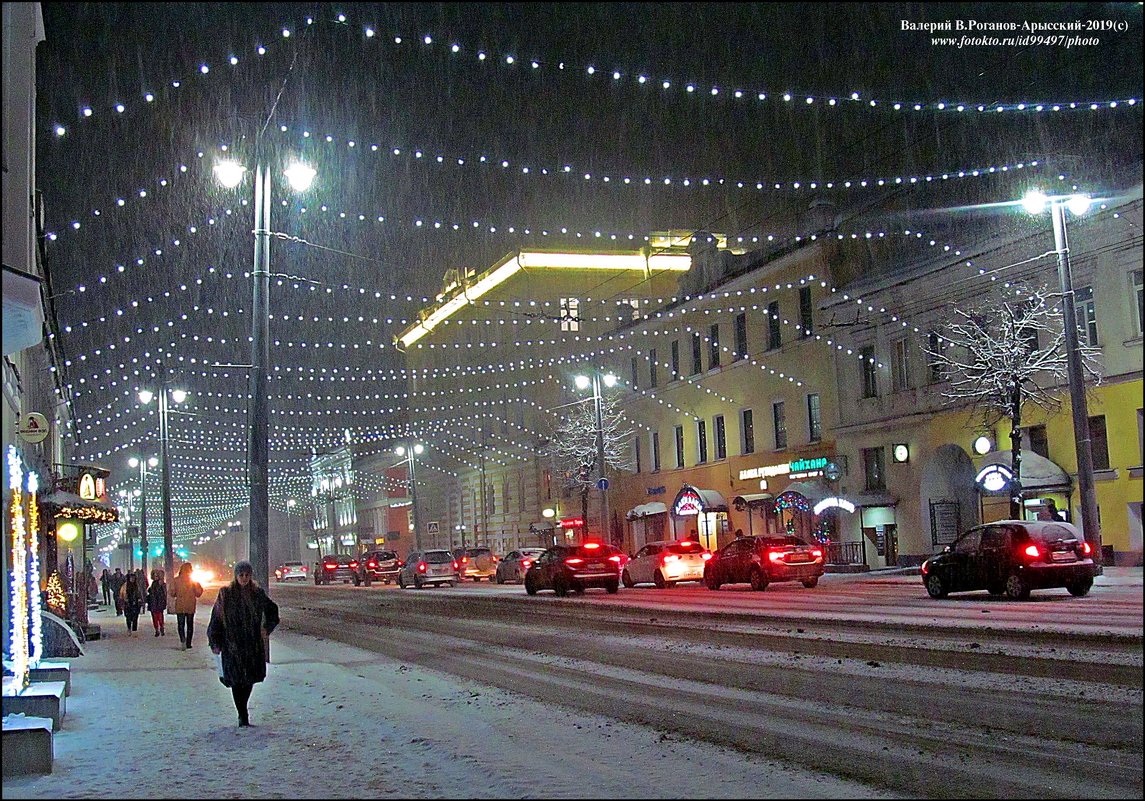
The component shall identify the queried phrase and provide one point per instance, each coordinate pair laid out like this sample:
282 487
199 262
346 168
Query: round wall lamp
983 445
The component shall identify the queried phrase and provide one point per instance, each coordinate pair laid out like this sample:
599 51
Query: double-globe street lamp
1036 202
413 450
143 464
164 395
582 383
230 175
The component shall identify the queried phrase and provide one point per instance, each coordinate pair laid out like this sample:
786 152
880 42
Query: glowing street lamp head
178 395
1078 205
610 380
400 450
153 461
1035 201
133 462
418 449
582 381
229 173
145 396
300 176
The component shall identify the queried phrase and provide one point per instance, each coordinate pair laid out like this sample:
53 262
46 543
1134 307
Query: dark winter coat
157 596
238 620
132 597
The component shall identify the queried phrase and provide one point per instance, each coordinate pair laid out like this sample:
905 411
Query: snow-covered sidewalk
148 720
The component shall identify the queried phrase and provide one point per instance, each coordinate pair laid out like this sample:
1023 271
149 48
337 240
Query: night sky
331 79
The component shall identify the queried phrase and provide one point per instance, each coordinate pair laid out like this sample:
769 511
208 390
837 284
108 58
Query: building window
1086 316
741 337
547 483
900 367
675 359
653 380
806 321
570 314
1039 444
874 468
635 373
636 450
632 306
701 441
779 418
936 347
714 347
521 492
721 437
697 354
1098 442
870 372
655 451
679 446
774 339
747 431
1139 307
814 419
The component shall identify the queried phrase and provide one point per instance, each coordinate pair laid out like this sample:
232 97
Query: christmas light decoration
57 595
36 643
19 581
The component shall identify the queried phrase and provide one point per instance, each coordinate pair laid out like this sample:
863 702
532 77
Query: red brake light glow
525 563
1032 550
775 556
671 557
592 545
421 567
574 560
372 563
1086 548
706 555
305 569
614 558
816 552
354 565
455 567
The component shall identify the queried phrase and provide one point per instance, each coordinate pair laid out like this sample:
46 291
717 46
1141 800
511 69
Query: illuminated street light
582 382
143 464
178 396
413 451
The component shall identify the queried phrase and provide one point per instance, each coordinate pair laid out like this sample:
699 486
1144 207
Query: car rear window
293 564
438 557
1050 533
686 547
773 542
472 552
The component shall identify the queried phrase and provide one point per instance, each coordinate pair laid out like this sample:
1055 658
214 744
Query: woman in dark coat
241 619
157 601
105 585
132 603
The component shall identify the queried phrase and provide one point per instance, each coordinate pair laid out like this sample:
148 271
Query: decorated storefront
759 508
700 514
1046 487
647 522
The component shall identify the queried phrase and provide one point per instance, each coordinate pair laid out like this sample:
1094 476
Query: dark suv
573 567
1012 557
377 566
762 560
336 567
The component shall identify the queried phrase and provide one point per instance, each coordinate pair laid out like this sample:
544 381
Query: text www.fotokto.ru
1015 41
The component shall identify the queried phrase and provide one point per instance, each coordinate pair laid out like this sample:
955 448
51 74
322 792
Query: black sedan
1012 557
761 560
574 567
336 567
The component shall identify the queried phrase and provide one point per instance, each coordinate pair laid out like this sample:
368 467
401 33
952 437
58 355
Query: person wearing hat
241 622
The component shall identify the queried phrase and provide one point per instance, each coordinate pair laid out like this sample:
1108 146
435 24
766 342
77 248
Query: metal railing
844 553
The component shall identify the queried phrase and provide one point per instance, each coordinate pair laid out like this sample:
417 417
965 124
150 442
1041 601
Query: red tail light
1032 551
455 566
706 555
464 559
592 545
401 563
776 556
305 569
329 565
816 552
1086 549
671 557
354 565
614 558
525 563
371 564
421 566
574 560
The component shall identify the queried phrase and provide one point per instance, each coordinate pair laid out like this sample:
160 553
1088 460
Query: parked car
288 571
762 560
377 566
476 563
512 567
666 562
573 567
434 566
335 567
1012 557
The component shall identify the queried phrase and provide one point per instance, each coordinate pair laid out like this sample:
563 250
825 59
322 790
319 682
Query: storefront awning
814 490
742 502
646 509
690 501
23 312
1038 472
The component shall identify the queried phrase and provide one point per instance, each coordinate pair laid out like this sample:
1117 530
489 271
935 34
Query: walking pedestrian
141 583
132 603
157 601
239 632
117 581
105 585
184 594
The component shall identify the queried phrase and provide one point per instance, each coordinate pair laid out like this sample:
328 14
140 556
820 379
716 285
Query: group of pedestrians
131 595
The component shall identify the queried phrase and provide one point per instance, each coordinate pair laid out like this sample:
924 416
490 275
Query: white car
292 570
665 563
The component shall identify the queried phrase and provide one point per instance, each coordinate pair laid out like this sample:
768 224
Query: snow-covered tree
1003 352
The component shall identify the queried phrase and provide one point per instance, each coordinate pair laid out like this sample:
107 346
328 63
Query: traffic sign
431 527
602 483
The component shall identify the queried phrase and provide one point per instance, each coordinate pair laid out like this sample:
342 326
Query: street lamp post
143 464
582 382
413 450
1036 202
177 395
230 175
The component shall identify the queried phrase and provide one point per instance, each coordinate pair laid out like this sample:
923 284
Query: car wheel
627 579
417 583
612 587
357 581
316 581
530 587
578 589
368 581
1016 587
500 578
710 580
934 586
758 580
658 580
401 582
452 583
811 582
1080 588
561 586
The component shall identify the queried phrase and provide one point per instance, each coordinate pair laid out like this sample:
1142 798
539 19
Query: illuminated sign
800 468
764 472
994 477
572 522
827 503
87 487
688 502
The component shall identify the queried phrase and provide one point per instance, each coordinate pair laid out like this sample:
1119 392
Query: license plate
1063 556
596 566
798 557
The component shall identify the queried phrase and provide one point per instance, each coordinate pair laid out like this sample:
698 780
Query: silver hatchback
428 567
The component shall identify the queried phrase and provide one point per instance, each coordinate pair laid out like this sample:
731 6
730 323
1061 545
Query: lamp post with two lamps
300 176
582 383
413 450
1036 202
143 464
178 396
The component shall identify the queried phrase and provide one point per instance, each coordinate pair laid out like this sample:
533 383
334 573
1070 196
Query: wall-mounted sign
33 427
800 468
87 487
827 503
688 502
572 522
994 477
656 490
